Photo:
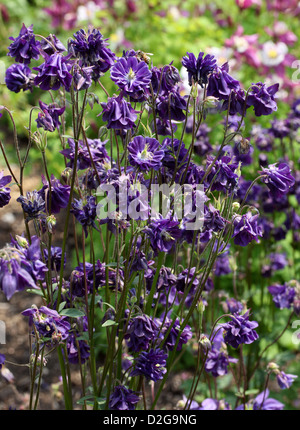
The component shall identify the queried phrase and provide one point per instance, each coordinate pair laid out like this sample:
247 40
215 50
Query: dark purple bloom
220 83
236 103
283 295
240 330
199 68
53 45
246 229
262 98
94 148
285 380
55 257
19 77
145 153
85 212
217 362
24 48
279 128
92 50
54 73
141 330
171 105
78 350
278 178
82 77
13 277
59 194
51 327
164 79
48 119
151 364
184 335
123 399
278 261
33 204
118 113
222 173
4 191
133 77
296 108
163 234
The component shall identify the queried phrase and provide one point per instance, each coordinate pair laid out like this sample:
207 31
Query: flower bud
204 341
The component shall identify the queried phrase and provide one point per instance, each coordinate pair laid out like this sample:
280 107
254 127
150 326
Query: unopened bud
204 341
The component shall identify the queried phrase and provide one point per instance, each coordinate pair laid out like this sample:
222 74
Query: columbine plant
147 288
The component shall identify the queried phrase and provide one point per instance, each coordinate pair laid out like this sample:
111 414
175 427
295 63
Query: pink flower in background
281 33
245 47
245 4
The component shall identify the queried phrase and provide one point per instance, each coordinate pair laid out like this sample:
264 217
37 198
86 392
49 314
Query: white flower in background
240 43
273 54
86 12
223 55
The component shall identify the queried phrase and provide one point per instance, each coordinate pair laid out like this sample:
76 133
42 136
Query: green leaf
37 292
73 313
109 323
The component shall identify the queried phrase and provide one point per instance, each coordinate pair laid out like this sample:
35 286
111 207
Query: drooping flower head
220 83
240 330
24 48
48 119
132 76
278 179
163 234
246 229
54 73
145 153
140 332
19 77
59 194
118 113
33 205
283 295
262 98
51 327
123 399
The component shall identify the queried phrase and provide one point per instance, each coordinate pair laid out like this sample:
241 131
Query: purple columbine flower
82 77
278 179
4 191
123 399
262 98
184 335
118 113
48 119
283 295
133 77
240 330
171 105
24 48
223 173
51 327
163 234
54 73
217 362
53 45
141 330
285 380
199 68
19 77
220 83
94 148
33 204
151 364
92 50
85 212
78 350
59 194
246 229
145 153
